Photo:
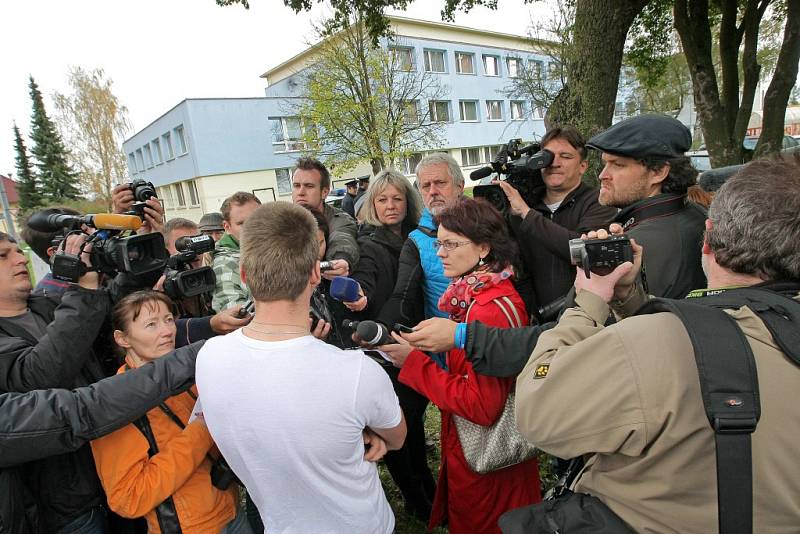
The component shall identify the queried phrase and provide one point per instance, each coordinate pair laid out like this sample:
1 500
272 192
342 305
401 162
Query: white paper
197 411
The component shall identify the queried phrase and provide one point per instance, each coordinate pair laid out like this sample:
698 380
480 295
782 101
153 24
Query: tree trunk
777 96
594 61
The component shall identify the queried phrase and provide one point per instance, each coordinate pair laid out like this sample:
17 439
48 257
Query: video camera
110 254
522 166
600 256
142 191
180 280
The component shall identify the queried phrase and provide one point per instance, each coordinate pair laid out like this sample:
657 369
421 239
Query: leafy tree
365 102
29 196
95 124
54 173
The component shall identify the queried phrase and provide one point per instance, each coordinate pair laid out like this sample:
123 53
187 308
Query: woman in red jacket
477 253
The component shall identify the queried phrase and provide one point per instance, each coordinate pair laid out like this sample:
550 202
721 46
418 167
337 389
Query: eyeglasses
449 246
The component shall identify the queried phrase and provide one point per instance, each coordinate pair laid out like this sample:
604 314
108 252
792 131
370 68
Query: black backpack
729 381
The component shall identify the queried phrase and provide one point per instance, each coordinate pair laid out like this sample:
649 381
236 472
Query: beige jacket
630 395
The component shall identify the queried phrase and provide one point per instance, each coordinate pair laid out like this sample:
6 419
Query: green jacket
229 291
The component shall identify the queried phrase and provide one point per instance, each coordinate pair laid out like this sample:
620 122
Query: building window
157 151
536 69
410 111
538 112
166 194
468 110
180 140
402 58
553 71
132 163
517 110
514 67
139 159
490 153
167 142
194 197
465 63
491 65
470 157
440 110
434 61
410 163
148 156
284 179
180 199
287 134
494 110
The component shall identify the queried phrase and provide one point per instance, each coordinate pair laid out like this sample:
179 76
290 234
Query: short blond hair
279 251
378 184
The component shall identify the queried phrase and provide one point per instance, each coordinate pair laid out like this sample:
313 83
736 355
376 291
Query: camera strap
656 207
729 382
166 514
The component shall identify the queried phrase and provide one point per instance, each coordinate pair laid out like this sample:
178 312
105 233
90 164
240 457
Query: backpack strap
166 513
729 386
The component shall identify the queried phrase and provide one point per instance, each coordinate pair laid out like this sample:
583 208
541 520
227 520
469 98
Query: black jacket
544 237
671 231
377 269
44 423
68 356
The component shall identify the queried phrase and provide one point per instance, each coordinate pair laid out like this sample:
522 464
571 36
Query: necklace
273 333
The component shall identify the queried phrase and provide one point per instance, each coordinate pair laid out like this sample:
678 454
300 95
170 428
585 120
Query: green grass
406 524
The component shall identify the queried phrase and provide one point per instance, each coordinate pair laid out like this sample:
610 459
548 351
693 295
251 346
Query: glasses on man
449 246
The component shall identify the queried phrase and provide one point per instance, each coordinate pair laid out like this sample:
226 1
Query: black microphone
373 333
481 173
52 221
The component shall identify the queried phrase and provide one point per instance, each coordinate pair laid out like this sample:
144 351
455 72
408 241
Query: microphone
373 333
481 173
52 221
344 289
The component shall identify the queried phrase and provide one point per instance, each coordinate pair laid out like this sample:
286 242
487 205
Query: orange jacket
136 484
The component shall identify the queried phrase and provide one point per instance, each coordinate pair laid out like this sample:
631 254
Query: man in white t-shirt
289 412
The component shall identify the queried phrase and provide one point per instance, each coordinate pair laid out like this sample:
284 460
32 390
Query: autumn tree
53 171
29 196
365 102
94 123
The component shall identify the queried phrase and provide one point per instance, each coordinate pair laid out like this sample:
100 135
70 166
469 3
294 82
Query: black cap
364 179
644 136
350 183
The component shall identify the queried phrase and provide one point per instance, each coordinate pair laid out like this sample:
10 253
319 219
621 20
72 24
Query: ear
242 274
226 226
484 250
658 177
584 166
51 251
121 339
324 191
706 246
316 276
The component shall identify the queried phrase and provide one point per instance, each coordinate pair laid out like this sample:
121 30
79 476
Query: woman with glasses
391 210
477 254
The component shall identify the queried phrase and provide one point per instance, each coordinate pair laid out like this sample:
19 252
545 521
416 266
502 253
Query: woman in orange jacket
160 466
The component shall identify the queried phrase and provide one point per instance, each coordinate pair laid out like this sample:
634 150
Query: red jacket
472 503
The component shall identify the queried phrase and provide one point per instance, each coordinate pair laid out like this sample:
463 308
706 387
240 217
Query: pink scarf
461 291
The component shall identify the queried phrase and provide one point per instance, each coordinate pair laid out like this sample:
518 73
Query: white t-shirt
288 418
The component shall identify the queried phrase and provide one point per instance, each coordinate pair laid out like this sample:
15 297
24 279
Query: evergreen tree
55 175
29 196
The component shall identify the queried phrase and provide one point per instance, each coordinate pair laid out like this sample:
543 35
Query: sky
158 52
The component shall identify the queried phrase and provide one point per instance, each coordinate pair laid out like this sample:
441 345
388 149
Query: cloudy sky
159 52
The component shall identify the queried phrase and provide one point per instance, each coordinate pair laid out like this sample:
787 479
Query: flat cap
644 136
211 222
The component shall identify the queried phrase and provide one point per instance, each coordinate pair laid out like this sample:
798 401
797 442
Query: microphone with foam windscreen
52 221
344 289
373 333
481 173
